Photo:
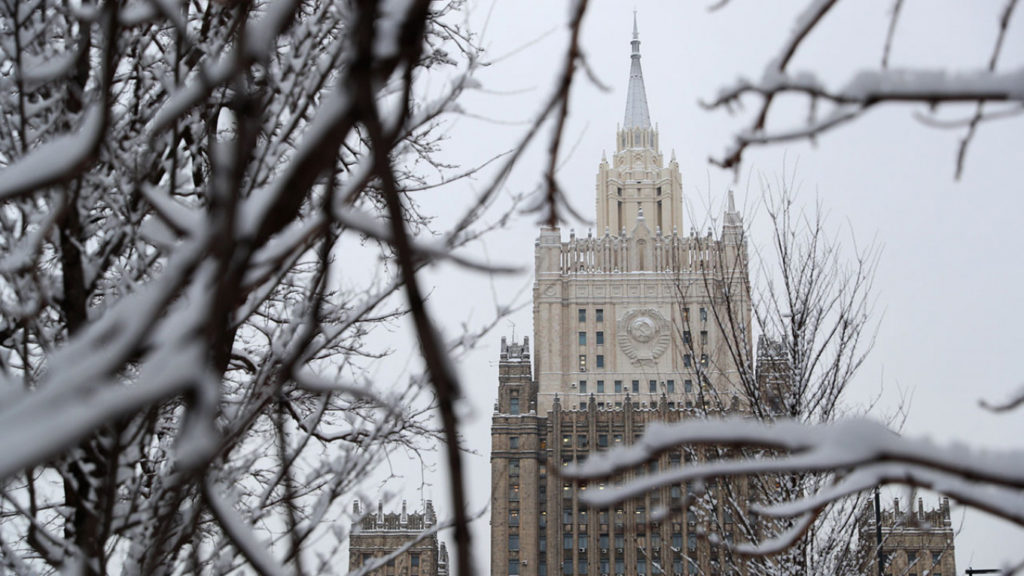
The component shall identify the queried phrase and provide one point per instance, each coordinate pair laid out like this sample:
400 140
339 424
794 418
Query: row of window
581 338
687 361
581 315
414 560
583 362
688 405
619 388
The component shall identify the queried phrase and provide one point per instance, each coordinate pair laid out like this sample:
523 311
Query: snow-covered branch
864 90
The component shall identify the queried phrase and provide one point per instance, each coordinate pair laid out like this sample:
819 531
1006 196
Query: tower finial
637 115
732 218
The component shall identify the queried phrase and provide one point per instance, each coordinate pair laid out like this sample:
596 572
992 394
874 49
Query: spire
732 216
637 115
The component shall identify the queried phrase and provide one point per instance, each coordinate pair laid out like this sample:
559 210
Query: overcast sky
948 287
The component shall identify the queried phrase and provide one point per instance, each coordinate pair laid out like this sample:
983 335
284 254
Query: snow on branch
860 453
56 160
865 88
869 87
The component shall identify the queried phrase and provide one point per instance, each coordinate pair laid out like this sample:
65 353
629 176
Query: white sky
949 281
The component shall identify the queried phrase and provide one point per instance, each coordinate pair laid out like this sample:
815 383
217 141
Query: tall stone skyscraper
638 323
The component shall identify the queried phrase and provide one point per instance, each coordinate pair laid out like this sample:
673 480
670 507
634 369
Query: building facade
914 542
639 323
396 543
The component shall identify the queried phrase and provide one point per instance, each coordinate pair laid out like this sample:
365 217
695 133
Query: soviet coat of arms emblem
643 336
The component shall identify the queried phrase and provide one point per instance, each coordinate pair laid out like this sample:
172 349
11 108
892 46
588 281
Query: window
599 338
542 568
581 441
600 386
618 386
641 564
687 361
583 362
703 314
513 541
600 360
599 315
686 315
636 386
691 542
566 439
583 338
653 386
513 406
582 314
602 440
703 337
513 566
686 337
617 438
513 518
513 467
567 567
602 541
414 559
583 386
513 442
704 360
688 386
513 492
619 565
567 541
619 540
671 386
543 542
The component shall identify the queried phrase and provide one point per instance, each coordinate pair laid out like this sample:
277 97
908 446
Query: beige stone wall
367 546
600 328
914 542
